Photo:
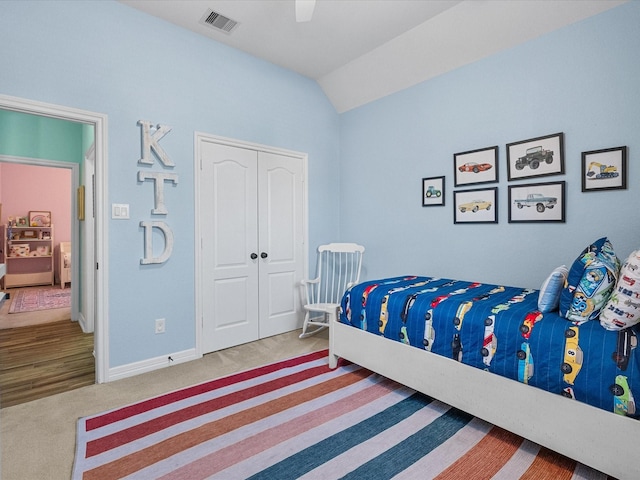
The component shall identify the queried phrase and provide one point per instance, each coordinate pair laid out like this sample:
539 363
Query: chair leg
318 328
305 324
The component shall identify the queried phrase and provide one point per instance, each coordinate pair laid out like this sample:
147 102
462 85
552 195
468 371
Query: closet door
252 244
281 240
229 226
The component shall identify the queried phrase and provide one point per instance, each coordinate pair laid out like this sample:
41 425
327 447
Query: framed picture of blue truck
536 157
537 202
604 169
433 192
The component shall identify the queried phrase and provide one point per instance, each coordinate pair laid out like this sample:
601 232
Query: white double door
252 243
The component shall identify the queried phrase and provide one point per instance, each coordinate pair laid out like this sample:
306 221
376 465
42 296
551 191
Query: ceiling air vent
218 21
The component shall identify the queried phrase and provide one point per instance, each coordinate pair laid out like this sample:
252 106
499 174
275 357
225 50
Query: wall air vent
218 21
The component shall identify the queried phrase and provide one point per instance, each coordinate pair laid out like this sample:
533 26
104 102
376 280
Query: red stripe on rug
550 465
162 400
127 435
477 464
178 443
233 454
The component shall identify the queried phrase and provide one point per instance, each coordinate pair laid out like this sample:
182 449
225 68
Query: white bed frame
592 436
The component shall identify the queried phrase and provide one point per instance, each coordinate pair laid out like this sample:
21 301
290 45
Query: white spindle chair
339 266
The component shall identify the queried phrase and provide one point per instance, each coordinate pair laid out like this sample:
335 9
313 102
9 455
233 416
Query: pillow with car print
623 308
592 278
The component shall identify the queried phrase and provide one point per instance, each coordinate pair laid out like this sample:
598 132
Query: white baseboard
83 323
132 369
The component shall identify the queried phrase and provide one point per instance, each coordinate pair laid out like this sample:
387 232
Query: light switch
120 211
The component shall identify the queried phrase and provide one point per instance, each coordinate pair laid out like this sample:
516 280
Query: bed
489 350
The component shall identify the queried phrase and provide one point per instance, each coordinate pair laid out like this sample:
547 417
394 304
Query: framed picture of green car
433 192
476 206
536 157
604 169
537 202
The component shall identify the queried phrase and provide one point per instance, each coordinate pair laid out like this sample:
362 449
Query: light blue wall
106 57
582 80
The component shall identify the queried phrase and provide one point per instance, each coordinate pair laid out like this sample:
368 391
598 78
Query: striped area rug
299 419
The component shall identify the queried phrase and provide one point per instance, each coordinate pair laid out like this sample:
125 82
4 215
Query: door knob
264 255
254 256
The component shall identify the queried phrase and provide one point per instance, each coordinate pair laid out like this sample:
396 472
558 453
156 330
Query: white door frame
100 269
197 177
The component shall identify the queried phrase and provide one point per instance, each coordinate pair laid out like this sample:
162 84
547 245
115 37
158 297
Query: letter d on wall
148 242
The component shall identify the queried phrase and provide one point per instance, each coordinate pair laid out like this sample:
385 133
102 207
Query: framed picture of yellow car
476 206
604 169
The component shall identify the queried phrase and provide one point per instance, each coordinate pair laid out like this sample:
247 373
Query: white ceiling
362 50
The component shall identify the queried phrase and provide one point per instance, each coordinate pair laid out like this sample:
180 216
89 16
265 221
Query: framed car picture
476 206
536 157
537 202
476 166
433 191
604 169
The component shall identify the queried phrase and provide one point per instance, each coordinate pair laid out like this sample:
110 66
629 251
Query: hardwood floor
41 360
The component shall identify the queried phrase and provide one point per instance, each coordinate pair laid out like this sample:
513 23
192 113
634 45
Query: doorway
94 262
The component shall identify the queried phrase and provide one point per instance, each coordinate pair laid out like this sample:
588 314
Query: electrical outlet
160 325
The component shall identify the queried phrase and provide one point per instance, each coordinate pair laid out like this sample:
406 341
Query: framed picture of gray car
433 192
537 202
604 169
536 157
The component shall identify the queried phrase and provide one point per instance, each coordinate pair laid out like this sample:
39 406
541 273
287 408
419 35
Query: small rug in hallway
40 299
299 419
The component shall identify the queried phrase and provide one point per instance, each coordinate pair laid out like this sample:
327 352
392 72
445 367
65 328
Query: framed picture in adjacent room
39 219
604 169
475 206
536 157
433 191
476 166
537 202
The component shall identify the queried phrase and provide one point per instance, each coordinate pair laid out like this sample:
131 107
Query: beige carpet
37 439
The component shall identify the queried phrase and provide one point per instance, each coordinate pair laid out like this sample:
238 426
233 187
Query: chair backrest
339 266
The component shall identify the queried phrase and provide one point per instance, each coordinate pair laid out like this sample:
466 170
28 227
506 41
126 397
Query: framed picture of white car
536 157
604 169
537 202
475 166
476 206
433 191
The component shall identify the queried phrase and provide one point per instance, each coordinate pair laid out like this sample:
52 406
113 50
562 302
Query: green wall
33 136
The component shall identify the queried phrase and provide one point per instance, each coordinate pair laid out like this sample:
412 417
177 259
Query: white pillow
550 291
622 310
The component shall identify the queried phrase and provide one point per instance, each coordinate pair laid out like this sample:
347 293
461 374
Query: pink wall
27 187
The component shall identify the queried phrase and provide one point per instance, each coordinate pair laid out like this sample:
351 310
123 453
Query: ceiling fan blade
304 10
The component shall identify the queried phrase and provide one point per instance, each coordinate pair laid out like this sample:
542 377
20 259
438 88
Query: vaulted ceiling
362 50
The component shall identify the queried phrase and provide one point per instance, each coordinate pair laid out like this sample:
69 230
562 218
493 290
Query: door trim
199 137
99 122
